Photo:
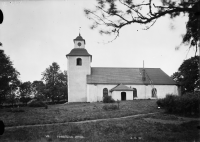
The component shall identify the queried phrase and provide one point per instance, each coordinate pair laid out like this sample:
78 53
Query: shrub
53 103
160 102
110 107
108 99
188 104
36 103
25 100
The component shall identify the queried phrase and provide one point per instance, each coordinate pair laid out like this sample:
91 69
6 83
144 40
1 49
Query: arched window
154 92
134 92
78 61
105 92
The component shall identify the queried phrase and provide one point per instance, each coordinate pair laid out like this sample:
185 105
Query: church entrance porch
123 96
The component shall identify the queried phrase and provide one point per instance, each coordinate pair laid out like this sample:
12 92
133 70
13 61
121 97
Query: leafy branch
110 16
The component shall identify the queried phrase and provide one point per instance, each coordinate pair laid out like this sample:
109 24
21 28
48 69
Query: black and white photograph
100 70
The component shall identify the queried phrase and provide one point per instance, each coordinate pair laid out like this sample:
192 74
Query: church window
105 92
134 92
78 61
153 92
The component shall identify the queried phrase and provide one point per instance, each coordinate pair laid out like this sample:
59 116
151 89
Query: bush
188 104
35 103
25 100
168 102
110 107
108 99
160 102
53 103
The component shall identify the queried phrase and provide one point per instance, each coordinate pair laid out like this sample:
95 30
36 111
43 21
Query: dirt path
152 120
179 121
86 121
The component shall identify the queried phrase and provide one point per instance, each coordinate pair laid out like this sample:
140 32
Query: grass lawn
74 112
129 129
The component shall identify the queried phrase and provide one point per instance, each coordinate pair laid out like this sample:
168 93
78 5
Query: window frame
105 92
154 93
134 90
78 62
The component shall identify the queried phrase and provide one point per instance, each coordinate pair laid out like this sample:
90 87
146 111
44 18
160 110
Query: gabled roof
106 75
79 52
114 75
121 87
158 77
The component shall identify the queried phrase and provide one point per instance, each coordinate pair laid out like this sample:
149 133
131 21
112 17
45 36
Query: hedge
188 104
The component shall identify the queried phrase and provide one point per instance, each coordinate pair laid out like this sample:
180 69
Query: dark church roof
108 75
79 38
121 87
79 52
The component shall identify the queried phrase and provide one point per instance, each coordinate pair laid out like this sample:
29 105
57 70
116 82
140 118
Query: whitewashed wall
95 92
77 87
144 92
116 95
162 90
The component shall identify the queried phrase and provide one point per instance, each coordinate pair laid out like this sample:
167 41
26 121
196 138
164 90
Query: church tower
78 67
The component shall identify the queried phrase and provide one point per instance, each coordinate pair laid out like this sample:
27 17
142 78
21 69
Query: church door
123 96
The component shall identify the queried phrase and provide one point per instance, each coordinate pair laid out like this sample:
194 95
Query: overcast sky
37 33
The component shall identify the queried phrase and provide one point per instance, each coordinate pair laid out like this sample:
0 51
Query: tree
25 92
8 78
62 83
54 80
188 75
1 21
112 15
38 90
11 97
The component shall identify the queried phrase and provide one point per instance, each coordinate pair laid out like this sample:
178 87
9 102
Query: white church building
91 84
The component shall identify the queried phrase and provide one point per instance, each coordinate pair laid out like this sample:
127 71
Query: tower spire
79 31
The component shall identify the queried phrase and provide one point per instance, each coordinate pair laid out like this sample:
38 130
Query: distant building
91 84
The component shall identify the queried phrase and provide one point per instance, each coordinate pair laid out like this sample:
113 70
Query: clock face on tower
79 44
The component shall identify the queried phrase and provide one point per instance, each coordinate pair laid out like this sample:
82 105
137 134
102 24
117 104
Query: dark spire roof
79 38
79 52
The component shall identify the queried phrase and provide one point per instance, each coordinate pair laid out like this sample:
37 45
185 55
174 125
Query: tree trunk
198 14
